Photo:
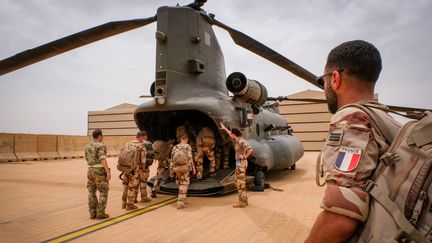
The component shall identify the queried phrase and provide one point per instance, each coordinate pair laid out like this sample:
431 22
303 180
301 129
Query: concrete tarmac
41 200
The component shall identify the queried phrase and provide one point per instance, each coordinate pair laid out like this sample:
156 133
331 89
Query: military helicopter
191 86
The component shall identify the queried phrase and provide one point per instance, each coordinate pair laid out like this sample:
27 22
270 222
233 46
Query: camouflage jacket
95 152
186 148
206 138
141 152
241 147
350 156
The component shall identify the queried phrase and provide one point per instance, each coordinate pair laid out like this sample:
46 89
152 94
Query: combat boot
240 204
153 194
123 205
92 215
145 199
181 205
102 216
131 206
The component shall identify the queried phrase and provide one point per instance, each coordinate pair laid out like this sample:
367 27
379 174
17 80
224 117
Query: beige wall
309 120
27 147
116 121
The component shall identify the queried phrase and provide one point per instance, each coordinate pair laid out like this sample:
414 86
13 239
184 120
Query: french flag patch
348 159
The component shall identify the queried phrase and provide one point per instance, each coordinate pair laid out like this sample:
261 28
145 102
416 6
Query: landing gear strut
259 184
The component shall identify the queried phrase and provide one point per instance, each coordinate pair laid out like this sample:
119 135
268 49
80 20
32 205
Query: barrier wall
29 147
47 147
115 143
71 146
7 146
26 147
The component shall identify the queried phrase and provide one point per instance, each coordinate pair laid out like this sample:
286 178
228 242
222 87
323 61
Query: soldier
130 179
243 151
354 144
98 175
187 129
181 165
162 152
144 171
205 142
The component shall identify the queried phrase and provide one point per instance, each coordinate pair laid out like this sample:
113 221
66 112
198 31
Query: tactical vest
161 150
400 188
206 137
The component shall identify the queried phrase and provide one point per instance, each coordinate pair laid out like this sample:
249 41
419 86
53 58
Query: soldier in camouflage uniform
353 146
180 167
98 175
131 179
144 171
205 142
187 129
243 151
162 153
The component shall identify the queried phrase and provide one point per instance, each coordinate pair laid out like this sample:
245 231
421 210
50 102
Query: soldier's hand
193 171
108 176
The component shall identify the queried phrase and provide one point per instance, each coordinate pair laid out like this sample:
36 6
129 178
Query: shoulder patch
348 159
335 137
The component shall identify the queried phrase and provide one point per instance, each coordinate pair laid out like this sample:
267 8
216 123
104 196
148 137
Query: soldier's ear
336 80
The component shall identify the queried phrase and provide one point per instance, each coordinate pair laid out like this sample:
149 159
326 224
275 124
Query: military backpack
180 157
128 158
400 188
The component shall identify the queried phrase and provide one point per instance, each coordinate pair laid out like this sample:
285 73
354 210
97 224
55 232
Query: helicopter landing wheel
259 181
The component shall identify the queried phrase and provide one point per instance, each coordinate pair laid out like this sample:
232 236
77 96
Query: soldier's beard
332 101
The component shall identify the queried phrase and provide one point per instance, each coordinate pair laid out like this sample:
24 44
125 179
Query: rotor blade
264 51
405 109
70 42
281 98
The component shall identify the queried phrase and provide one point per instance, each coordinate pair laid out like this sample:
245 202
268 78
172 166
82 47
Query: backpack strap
388 129
403 223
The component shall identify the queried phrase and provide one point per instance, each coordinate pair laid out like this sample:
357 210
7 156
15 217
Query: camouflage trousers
183 180
143 175
162 167
224 155
130 186
97 182
209 152
240 174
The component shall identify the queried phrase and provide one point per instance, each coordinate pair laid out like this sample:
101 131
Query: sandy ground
44 199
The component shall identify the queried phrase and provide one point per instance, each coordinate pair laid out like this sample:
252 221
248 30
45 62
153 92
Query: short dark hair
96 133
357 58
141 134
236 132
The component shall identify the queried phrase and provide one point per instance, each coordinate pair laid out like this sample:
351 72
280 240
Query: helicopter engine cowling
247 90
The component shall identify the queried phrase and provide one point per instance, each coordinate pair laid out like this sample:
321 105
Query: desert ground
42 200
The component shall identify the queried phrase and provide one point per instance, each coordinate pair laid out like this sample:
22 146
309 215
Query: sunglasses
320 79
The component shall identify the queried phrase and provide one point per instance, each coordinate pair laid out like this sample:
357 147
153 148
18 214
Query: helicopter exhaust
248 91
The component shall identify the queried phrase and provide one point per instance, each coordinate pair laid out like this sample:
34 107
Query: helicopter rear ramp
223 182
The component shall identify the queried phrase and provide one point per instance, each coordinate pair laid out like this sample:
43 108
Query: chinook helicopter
191 86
